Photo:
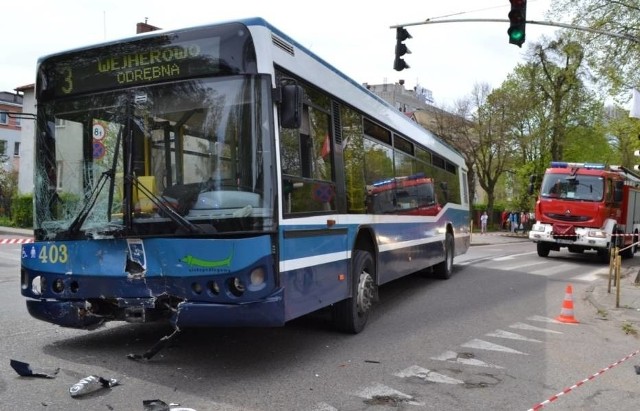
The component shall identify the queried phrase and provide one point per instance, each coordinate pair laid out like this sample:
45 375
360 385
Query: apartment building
10 130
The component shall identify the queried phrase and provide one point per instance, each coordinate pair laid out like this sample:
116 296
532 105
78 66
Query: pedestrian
513 221
483 223
504 220
524 222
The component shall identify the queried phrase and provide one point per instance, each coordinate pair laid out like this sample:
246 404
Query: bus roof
358 96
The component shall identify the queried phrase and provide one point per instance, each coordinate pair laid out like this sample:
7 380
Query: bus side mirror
291 105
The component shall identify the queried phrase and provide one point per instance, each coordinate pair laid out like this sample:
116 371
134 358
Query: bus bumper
267 312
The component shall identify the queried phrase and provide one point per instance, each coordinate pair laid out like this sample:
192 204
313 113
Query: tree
614 59
494 148
556 71
455 127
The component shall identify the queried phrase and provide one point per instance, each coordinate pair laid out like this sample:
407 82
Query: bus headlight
37 285
257 276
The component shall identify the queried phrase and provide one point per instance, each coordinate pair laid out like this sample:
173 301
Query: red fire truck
587 206
411 195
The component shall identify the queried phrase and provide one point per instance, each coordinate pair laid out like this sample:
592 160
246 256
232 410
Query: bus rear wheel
351 315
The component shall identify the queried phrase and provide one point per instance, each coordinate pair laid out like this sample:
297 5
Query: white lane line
452 356
486 345
427 375
523 326
510 336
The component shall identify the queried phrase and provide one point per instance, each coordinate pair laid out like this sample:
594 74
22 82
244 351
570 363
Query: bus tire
351 315
444 269
543 249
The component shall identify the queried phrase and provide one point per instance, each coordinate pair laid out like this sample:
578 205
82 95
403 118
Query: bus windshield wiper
77 223
166 209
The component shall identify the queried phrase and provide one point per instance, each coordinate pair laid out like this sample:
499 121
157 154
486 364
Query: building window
3 147
4 117
16 148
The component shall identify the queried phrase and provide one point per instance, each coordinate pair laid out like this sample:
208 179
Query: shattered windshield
573 187
189 157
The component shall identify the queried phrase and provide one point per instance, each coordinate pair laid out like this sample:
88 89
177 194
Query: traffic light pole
541 23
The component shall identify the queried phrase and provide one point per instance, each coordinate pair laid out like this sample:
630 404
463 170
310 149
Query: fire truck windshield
572 187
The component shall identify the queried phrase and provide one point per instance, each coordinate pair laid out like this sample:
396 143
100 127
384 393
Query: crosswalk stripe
378 390
510 336
452 356
486 345
427 375
554 269
523 326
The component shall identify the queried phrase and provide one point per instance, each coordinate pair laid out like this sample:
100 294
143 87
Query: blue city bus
218 176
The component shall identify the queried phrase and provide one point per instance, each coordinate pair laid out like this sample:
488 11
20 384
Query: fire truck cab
587 206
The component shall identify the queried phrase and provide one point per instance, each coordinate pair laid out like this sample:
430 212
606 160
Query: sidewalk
22 232
597 293
498 237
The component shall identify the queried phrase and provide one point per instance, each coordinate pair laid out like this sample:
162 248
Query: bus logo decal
198 262
136 252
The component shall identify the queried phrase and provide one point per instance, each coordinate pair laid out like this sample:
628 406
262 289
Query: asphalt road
485 339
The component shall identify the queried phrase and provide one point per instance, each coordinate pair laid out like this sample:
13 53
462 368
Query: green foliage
22 211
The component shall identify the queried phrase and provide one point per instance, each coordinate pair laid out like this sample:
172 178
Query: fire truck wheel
351 315
543 250
444 269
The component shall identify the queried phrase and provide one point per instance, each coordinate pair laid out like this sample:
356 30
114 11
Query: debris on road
159 405
91 384
24 370
156 348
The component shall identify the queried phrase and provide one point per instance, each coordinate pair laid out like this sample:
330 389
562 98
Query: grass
629 329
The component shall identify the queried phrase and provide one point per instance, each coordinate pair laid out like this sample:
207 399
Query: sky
354 36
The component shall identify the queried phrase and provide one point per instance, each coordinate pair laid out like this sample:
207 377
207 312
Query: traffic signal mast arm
540 23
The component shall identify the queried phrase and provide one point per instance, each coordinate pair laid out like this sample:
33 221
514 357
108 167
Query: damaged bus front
154 184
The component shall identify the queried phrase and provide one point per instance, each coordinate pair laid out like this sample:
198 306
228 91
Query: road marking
510 336
518 266
426 375
591 276
554 270
542 319
452 356
486 345
512 256
523 326
378 390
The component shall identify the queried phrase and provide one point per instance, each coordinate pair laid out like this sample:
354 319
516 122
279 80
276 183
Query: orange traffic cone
566 314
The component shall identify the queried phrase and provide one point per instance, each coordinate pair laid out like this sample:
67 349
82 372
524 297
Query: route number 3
53 254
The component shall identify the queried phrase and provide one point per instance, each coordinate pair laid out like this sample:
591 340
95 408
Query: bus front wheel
444 269
351 315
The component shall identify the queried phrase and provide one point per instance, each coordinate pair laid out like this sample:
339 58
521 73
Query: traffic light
517 20
401 49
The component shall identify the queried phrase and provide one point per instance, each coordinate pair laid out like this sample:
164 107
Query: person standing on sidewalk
483 223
